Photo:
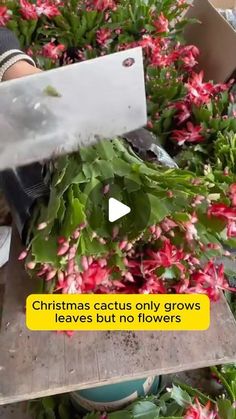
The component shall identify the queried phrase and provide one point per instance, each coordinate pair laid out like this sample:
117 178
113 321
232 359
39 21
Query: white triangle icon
116 210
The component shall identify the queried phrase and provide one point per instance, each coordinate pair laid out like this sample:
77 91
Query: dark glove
22 187
10 52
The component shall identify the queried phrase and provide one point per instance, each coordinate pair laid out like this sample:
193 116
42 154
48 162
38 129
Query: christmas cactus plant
192 210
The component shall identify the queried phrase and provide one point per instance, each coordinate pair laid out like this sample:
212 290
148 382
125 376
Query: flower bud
31 265
51 274
22 255
42 226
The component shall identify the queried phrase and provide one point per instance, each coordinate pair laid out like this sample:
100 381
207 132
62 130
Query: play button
116 205
117 210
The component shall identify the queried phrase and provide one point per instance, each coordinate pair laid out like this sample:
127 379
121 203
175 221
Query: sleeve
10 52
24 185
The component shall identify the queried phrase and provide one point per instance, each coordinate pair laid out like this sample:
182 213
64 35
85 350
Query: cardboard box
215 38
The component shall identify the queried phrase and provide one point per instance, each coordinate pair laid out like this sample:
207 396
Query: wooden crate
36 364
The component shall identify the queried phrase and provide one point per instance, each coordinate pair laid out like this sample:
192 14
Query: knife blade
60 110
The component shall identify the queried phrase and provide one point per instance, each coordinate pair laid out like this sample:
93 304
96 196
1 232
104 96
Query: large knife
60 110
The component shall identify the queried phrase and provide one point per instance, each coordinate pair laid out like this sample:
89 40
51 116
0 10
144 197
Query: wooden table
36 364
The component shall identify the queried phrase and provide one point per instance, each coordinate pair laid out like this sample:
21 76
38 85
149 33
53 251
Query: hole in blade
128 62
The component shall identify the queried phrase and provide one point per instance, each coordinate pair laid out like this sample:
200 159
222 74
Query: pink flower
166 257
28 10
76 234
5 15
218 88
161 59
199 92
84 263
52 51
72 252
156 231
190 135
106 189
188 55
102 5
63 248
148 43
60 277
22 255
232 191
123 244
51 274
196 411
213 246
161 24
29 52
167 224
191 231
225 213
69 333
153 285
196 182
197 200
31 265
118 284
61 240
47 8
210 281
222 211
156 50
103 36
42 226
231 229
149 125
183 112
94 276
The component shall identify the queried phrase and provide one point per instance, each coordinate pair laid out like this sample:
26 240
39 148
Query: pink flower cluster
5 15
161 267
225 212
52 51
199 93
161 24
197 411
103 36
192 278
30 11
190 134
103 5
160 51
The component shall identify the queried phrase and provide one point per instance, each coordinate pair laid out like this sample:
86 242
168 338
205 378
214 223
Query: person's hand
14 63
20 69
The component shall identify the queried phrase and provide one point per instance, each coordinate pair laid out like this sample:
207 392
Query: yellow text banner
117 312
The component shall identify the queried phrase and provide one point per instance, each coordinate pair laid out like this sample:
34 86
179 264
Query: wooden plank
36 364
